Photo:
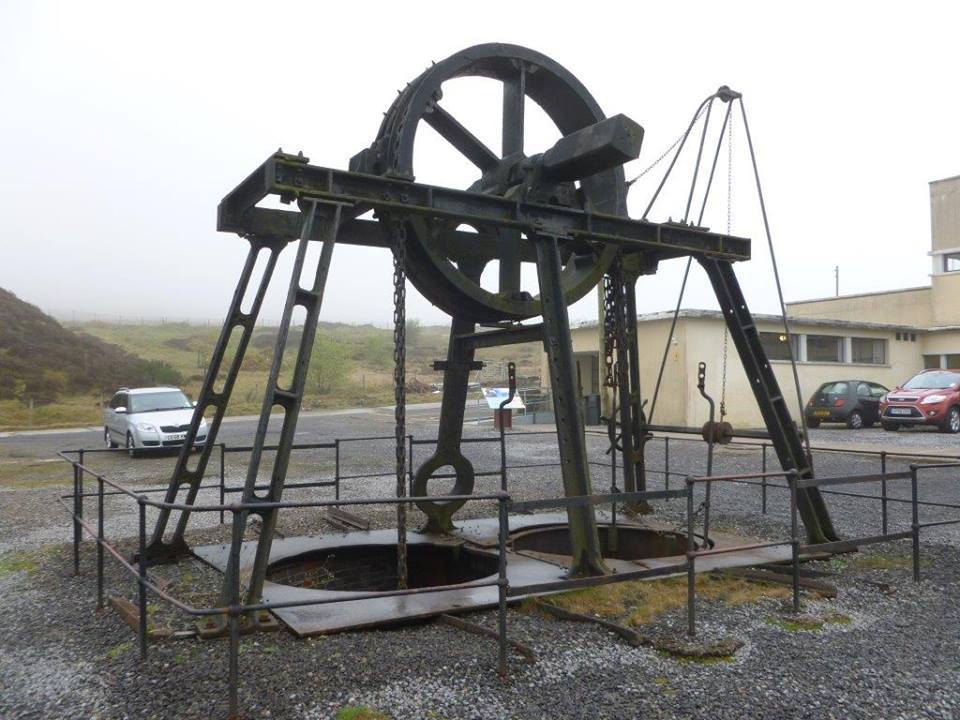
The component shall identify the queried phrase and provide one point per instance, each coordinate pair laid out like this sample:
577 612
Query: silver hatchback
150 418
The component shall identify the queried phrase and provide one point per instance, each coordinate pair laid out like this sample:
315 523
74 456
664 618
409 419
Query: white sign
495 396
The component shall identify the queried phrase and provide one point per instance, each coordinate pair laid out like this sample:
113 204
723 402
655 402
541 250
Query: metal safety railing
234 609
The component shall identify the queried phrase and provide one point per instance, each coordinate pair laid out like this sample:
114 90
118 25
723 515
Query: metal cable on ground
400 393
776 276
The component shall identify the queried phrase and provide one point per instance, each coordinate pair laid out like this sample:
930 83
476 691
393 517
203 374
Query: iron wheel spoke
468 144
514 99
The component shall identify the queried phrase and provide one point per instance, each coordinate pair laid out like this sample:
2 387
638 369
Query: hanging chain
666 152
400 391
614 352
726 333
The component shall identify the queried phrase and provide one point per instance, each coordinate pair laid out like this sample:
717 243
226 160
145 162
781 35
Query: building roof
946 179
695 314
857 295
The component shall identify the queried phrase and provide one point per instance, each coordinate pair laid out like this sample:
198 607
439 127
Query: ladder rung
284 396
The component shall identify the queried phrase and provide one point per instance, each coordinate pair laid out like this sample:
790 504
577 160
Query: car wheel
813 424
893 427
107 440
951 423
855 421
131 448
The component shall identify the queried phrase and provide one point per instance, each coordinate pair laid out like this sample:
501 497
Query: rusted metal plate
477 535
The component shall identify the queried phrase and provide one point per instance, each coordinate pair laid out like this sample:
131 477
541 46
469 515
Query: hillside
42 361
351 365
54 375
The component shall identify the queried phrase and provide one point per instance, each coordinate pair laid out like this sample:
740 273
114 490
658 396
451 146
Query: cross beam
290 177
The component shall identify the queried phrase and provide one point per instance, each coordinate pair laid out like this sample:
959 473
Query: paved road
311 427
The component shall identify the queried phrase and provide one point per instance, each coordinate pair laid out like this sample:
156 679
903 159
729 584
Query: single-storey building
883 337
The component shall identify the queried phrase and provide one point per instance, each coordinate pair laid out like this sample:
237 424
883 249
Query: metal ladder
776 415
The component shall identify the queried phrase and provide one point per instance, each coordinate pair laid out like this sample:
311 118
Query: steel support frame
185 472
784 435
587 558
456 383
287 398
291 177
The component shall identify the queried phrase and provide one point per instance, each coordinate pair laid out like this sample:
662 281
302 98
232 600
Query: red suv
931 397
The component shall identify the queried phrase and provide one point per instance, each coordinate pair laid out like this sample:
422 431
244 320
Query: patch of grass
883 562
798 623
34 473
27 561
119 649
836 618
360 712
641 602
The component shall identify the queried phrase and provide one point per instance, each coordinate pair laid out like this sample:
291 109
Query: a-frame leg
587 558
776 415
190 468
288 399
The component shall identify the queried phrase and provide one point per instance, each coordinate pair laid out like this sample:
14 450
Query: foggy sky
122 125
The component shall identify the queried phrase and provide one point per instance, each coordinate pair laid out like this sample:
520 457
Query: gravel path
896 658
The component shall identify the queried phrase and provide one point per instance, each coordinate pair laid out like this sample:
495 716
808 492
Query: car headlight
883 398
146 427
930 399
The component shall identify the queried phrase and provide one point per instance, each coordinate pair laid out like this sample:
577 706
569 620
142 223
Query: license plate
821 413
177 436
900 411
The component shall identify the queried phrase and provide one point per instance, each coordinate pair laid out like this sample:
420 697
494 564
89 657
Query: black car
854 402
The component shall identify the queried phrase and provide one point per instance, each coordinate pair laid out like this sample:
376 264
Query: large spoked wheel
437 267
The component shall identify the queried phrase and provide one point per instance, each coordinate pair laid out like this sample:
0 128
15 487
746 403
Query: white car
150 418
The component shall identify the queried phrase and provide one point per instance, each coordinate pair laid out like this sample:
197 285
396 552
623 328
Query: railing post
142 578
763 480
336 468
503 455
76 518
223 492
794 539
883 489
666 462
915 524
100 541
502 585
233 621
691 570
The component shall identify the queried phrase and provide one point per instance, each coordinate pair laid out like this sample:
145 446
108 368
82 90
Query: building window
868 350
775 345
913 337
931 362
953 362
824 348
951 262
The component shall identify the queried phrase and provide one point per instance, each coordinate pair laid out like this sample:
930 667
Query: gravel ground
898 657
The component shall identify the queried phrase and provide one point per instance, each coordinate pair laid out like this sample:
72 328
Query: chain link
666 152
726 332
615 332
400 391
